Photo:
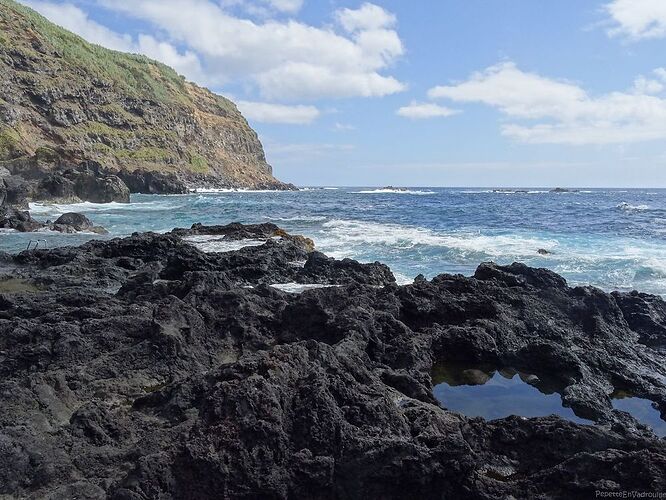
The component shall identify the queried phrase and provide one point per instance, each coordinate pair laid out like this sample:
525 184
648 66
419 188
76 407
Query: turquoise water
615 239
491 394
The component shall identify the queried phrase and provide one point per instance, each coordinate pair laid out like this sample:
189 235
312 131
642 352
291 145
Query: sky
506 93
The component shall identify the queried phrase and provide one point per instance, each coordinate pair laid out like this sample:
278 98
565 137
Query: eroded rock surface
146 368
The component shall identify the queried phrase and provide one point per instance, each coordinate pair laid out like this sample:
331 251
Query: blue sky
441 93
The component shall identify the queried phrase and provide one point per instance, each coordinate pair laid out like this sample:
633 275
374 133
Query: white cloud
565 113
367 17
307 81
637 19
419 111
304 152
289 6
644 85
343 127
278 113
286 60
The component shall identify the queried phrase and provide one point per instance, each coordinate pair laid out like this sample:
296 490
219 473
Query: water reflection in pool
483 391
641 409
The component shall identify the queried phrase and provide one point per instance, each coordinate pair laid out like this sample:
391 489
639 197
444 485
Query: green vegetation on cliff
126 111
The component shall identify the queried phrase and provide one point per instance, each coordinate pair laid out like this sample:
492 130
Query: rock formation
143 367
64 101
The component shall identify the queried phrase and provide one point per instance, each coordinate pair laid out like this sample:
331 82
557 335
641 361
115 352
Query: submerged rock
147 368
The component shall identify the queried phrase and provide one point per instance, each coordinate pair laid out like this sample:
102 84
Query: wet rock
107 189
236 231
147 182
322 269
75 222
19 220
56 187
17 191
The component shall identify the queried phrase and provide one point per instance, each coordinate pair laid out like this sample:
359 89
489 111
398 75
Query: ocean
611 238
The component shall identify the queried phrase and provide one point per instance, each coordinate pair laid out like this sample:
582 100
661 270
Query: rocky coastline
143 367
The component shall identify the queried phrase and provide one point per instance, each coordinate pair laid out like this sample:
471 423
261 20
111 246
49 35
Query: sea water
481 391
613 239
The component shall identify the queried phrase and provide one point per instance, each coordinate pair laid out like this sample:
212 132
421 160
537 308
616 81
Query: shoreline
606 260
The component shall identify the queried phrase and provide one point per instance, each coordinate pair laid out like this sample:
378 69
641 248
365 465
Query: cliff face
63 101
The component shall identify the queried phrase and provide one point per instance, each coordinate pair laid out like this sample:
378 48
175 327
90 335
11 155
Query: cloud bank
546 110
637 19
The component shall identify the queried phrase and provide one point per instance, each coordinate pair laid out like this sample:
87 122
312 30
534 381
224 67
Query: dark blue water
491 394
615 239
643 411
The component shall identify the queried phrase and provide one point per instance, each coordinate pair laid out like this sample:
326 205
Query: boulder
140 181
55 186
20 220
91 187
322 269
73 222
18 191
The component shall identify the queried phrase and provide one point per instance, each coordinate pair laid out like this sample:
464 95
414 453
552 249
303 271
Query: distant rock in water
75 222
65 101
564 190
628 207
543 251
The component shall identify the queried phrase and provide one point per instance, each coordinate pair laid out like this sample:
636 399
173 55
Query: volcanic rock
147 368
75 222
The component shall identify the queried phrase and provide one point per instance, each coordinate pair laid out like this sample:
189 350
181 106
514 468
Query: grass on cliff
9 140
136 74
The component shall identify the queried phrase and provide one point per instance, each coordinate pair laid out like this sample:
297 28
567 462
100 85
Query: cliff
64 101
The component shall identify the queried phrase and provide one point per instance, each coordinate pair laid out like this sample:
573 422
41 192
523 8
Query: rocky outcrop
153 182
18 220
64 101
149 369
73 222
22 221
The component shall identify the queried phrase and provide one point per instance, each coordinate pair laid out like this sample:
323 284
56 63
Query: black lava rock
149 369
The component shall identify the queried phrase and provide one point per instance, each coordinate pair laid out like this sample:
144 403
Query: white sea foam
629 207
298 218
299 287
86 206
340 235
235 190
216 243
394 191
